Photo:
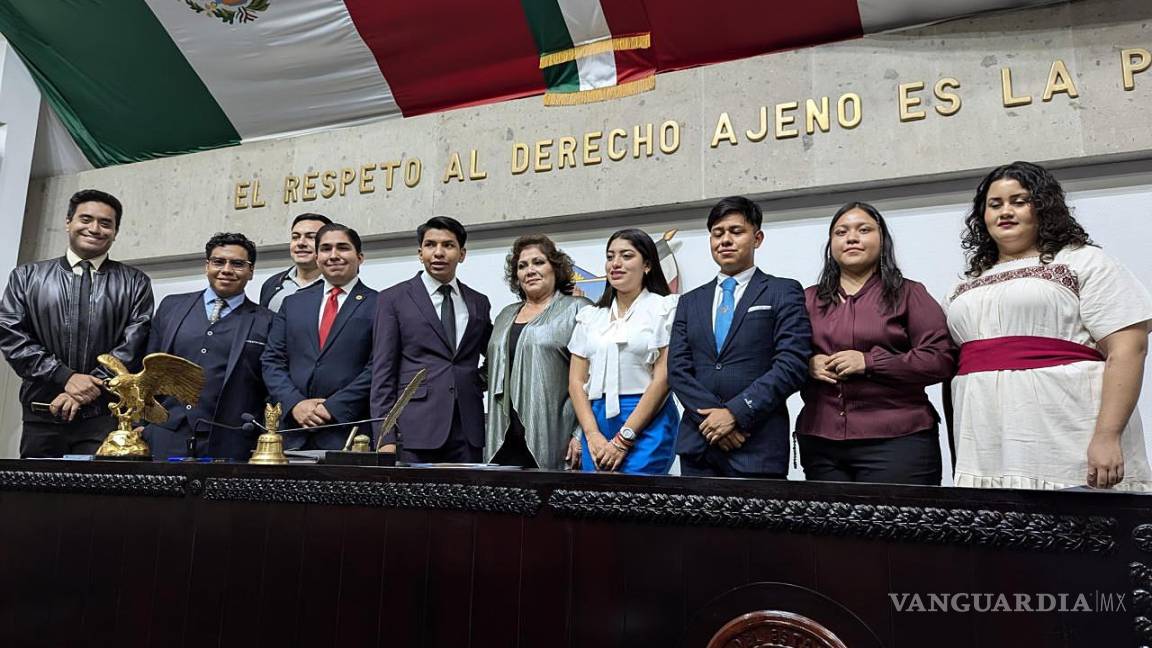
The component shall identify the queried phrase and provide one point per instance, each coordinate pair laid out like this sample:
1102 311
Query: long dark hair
1056 227
654 280
828 288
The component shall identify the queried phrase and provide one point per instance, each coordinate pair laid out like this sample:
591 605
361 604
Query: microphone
247 427
251 423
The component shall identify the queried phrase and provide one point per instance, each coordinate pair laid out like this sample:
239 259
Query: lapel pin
359 297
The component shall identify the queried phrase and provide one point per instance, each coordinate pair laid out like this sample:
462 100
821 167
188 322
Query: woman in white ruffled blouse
618 380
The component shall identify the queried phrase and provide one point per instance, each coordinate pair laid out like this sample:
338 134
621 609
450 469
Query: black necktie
448 316
83 316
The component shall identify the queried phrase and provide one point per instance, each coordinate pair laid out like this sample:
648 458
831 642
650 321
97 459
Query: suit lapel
311 316
180 315
472 304
244 313
351 303
419 295
702 315
756 285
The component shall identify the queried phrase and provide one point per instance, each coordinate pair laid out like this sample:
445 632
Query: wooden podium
114 554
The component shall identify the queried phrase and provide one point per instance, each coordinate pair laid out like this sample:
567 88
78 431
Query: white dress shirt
340 299
74 261
458 304
742 280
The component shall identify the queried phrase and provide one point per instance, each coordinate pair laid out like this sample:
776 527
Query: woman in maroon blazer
878 340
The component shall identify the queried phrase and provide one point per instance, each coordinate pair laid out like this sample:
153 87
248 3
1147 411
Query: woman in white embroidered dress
618 378
1053 336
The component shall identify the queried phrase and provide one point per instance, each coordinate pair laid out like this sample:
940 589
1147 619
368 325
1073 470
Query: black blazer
763 361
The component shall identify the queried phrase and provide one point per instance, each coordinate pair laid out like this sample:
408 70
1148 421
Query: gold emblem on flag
230 11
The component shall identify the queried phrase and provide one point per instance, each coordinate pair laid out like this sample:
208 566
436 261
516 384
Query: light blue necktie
726 311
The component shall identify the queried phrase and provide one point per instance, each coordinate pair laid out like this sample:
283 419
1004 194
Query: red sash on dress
1021 352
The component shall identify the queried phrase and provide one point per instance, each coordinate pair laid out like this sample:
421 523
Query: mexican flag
139 79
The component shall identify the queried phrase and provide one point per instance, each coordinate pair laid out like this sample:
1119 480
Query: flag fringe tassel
600 94
641 41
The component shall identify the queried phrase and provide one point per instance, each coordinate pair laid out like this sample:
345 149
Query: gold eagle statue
163 375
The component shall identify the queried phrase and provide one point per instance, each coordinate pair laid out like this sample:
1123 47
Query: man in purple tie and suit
435 322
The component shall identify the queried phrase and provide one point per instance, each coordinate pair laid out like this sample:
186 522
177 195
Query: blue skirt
655 447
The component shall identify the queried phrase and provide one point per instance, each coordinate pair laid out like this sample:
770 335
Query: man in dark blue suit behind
224 332
739 348
434 322
318 361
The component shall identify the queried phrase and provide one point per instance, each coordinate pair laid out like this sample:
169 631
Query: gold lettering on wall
566 152
1059 80
782 120
291 189
1010 100
723 131
942 91
366 178
644 140
412 170
1132 62
669 137
908 101
328 182
257 202
519 158
309 192
816 116
347 177
761 131
849 102
542 155
592 148
454 170
389 169
240 199
474 172
616 154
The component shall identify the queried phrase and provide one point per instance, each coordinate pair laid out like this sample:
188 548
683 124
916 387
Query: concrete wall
174 203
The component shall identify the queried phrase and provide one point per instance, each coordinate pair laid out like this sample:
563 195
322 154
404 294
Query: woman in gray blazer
530 418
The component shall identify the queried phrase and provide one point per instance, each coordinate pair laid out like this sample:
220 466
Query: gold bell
270 445
362 443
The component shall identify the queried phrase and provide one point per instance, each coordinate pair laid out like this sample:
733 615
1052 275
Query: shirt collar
432 285
741 278
294 276
233 302
74 259
347 288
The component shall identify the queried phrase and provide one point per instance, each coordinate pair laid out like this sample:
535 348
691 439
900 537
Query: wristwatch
628 434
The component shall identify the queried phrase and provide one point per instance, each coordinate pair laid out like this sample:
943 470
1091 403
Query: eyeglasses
235 264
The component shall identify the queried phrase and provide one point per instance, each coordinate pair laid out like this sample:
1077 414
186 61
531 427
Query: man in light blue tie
739 348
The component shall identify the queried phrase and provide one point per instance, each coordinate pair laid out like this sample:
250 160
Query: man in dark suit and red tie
739 347
435 322
225 333
318 361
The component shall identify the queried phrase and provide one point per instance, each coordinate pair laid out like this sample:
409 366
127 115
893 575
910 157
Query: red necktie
331 307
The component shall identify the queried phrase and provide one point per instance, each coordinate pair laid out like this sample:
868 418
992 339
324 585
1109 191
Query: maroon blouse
905 350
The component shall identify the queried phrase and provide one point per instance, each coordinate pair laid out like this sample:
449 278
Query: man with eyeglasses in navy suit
225 333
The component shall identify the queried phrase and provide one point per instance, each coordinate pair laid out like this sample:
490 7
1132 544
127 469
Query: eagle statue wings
163 375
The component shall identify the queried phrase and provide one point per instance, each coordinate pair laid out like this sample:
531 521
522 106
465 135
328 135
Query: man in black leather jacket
58 315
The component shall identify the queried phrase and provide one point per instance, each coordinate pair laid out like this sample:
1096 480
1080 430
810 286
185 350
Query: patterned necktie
448 316
331 307
726 311
217 310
